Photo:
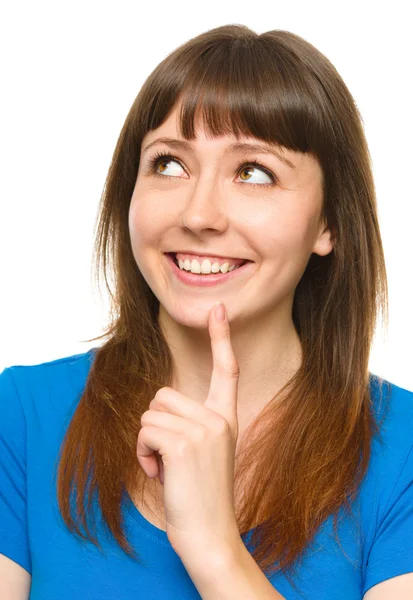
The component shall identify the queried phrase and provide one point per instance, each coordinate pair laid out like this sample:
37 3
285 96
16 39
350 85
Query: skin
208 204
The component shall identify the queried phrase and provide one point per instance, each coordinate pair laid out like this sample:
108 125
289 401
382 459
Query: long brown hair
313 446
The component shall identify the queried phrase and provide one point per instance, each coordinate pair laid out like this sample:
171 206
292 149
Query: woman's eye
252 168
158 167
160 163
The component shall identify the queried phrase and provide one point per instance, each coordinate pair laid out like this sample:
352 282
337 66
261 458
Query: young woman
189 456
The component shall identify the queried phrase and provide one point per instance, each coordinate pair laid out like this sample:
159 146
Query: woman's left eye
164 158
256 166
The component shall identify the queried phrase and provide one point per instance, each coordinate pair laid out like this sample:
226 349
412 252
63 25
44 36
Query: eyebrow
238 147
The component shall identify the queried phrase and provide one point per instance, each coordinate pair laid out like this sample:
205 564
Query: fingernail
220 312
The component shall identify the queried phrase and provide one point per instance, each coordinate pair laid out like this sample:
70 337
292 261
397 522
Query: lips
206 281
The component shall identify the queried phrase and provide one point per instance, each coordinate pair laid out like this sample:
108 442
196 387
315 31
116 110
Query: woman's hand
196 445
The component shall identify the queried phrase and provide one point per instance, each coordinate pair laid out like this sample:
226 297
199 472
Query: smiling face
204 201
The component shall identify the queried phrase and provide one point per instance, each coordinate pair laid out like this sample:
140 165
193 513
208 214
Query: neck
268 351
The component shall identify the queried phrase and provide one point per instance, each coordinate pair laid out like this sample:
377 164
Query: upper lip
205 254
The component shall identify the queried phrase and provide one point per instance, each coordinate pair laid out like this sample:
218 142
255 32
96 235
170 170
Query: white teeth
205 267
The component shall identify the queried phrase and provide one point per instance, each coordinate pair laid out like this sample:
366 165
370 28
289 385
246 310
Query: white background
69 74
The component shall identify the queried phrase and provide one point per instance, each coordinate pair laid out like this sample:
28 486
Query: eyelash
156 158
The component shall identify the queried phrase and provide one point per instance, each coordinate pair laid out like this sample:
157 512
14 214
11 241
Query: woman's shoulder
390 469
387 490
393 410
50 384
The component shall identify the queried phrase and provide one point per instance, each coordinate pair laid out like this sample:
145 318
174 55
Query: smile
206 280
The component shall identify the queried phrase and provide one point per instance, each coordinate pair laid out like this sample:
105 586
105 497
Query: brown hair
313 447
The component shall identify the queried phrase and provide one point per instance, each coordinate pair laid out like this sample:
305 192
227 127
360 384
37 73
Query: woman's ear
326 240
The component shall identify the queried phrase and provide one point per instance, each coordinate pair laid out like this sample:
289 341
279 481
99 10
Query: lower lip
205 280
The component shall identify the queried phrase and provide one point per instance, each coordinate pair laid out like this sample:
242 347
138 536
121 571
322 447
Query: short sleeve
392 551
13 508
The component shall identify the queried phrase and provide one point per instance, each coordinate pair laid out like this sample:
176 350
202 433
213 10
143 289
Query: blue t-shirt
36 405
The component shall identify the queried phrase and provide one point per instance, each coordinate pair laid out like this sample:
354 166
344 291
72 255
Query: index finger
223 388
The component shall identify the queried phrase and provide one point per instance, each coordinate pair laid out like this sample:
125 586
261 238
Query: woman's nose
205 206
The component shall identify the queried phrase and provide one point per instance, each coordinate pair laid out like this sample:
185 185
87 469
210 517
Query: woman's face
201 201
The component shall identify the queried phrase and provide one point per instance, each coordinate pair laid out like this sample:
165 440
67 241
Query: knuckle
198 434
145 417
159 400
233 369
162 393
221 426
182 447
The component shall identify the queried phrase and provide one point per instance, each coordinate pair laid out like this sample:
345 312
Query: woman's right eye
160 158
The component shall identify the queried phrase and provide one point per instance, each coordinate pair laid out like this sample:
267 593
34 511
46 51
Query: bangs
241 88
